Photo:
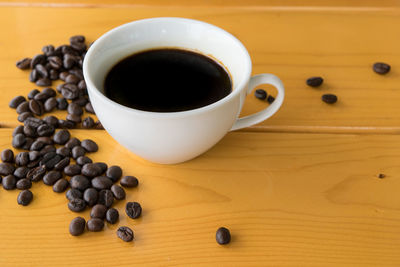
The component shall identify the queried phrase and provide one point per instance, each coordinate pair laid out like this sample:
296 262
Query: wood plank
288 199
340 45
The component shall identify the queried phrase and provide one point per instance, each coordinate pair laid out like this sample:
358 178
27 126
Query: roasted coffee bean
47 149
63 75
329 98
75 109
66 124
90 196
103 167
314 81
7 155
118 192
60 186
38 59
14 103
43 82
78 151
98 125
72 79
32 93
18 140
9 182
106 198
28 143
62 164
22 159
33 76
133 210
112 215
77 39
72 170
70 91
25 197
114 173
89 145
37 146
51 120
34 122
50 104
23 107
129 181
42 97
21 172
48 50
260 94
34 155
24 63
381 68
63 151
50 160
82 160
223 236
77 72
95 225
381 175
18 130
53 75
89 108
79 46
88 123
42 71
69 61
81 101
45 140
98 211
74 118
125 233
79 182
24 184
6 168
30 131
51 177
91 170
73 142
35 107
73 193
61 137
36 174
77 205
62 103
101 182
55 62
23 116
270 99
82 85
50 93
33 164
45 130
77 226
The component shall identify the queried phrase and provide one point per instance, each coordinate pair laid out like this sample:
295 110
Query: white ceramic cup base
174 137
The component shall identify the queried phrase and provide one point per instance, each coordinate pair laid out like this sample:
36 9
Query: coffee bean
91 170
78 151
9 182
125 233
77 205
24 63
63 75
34 155
36 174
47 149
21 172
28 143
114 173
74 118
69 61
45 130
61 137
35 107
77 226
32 93
129 181
45 140
381 68
34 122
95 225
81 100
23 116
133 210
38 59
62 103
88 123
43 82
51 120
101 182
79 182
22 159
72 170
223 236
48 50
329 98
75 109
42 71
77 39
24 184
82 85
73 193
98 211
79 46
72 79
260 94
6 168
270 99
63 151
53 75
50 104
51 177
42 97
55 62
70 91
98 125
89 108
23 107
18 140
18 130
62 164
7 155
82 160
314 81
14 103
66 124
33 76
103 167
73 142
90 146
118 192
30 131
25 197
60 186
112 215
50 159
77 72
106 198
90 196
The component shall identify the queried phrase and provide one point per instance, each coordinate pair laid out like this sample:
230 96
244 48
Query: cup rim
93 89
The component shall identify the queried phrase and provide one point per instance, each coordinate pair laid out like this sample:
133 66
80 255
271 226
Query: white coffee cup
174 137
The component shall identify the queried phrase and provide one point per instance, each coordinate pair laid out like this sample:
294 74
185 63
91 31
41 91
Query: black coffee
167 80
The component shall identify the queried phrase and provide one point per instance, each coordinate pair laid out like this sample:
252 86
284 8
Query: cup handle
268 111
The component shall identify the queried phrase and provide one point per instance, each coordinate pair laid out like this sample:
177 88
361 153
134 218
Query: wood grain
288 199
338 44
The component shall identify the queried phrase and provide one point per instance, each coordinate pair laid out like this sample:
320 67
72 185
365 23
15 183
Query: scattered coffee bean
95 225
34 155
32 93
18 130
314 81
50 159
7 155
61 137
34 122
81 100
43 82
129 181
25 197
63 75
35 107
270 99
9 182
106 198
82 160
30 131
23 107
75 109
223 236
45 130
73 142
42 97
74 118
79 182
21 172
98 211
23 184
63 151
133 210
329 98
260 94
60 186
51 177
50 104
103 167
24 63
33 76
28 143
62 103
72 79
38 59
47 149
125 233
66 124
89 108
73 193
36 174
118 192
6 168
51 120
77 205
381 175
23 116
42 71
70 91
22 159
91 170
88 123
60 166
82 85
78 151
90 146
77 226
112 215
101 182
16 101
381 68
91 196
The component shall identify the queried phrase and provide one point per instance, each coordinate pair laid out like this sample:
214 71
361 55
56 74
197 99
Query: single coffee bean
18 140
22 159
91 170
48 50
114 173
79 182
50 159
77 205
95 225
62 103
77 39
45 130
106 198
381 68
125 233
51 177
87 123
43 82
47 149
77 72
70 91
34 122
270 99
35 107
82 160
21 172
51 120
74 118
42 96
73 142
329 98
77 226
34 155
63 151
53 75
45 140
60 186
73 193
23 116
79 46
314 81
18 130
6 169
82 85
38 59
75 109
89 108
101 182
90 196
61 137
129 181
28 143
9 182
66 124
32 93
60 166
50 104
23 107
14 103
112 215
81 100
25 197
260 94
69 61
90 146
7 155
98 211
36 174
72 170
24 63
24 184
381 175
42 71
118 192
33 76
223 236
30 131
63 76
133 210
72 79
55 62
103 167
78 151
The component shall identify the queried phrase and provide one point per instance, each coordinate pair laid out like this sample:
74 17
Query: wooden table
300 189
